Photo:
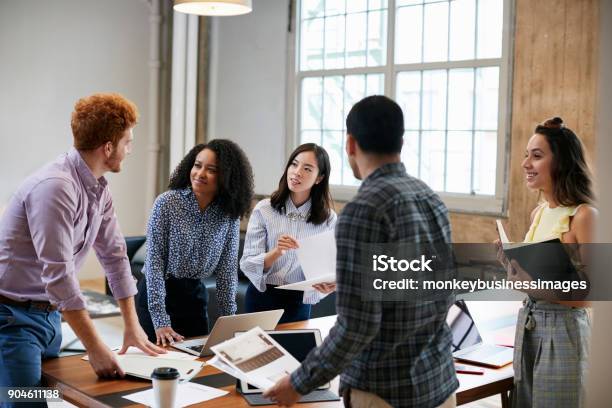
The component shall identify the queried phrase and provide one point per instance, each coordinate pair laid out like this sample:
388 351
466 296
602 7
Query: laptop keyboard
197 347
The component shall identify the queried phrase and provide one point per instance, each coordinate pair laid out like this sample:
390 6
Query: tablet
297 342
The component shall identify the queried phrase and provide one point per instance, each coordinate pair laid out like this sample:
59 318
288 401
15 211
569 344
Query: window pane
399 3
375 84
435 46
460 98
311 136
408 34
332 103
458 162
332 143
408 96
312 8
334 42
487 84
462 28
355 6
432 159
377 4
312 99
377 38
354 91
333 7
490 24
485 149
311 44
356 39
434 100
410 152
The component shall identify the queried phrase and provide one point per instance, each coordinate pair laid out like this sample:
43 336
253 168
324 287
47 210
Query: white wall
248 86
51 54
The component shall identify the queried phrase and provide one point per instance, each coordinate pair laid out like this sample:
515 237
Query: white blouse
266 225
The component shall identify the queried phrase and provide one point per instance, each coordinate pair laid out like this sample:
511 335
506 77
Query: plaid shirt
400 351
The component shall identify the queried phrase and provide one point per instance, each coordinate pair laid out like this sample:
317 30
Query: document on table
187 394
138 364
256 357
317 257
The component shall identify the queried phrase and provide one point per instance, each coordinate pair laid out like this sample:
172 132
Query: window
446 62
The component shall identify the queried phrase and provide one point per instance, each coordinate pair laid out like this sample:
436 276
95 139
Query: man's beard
113 163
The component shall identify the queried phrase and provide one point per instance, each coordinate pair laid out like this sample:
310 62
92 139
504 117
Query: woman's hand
325 287
501 256
166 335
286 242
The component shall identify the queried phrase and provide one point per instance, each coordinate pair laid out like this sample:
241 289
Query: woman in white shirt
299 208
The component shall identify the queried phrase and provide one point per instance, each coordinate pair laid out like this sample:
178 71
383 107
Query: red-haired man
49 226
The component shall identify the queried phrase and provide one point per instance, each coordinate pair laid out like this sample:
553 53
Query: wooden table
80 386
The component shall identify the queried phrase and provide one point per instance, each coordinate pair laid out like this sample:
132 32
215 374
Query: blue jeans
27 336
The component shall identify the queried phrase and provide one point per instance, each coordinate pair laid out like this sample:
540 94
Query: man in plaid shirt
388 353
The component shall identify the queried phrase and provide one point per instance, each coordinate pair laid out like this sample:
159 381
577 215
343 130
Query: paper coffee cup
165 383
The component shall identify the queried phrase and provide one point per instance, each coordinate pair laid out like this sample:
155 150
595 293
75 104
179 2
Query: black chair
133 245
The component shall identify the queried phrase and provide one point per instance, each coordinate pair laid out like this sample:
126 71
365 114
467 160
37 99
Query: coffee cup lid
165 373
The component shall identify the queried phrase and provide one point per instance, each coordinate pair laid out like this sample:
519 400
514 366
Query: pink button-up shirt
51 222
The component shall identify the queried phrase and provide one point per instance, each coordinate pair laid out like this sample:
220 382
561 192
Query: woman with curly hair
193 232
299 208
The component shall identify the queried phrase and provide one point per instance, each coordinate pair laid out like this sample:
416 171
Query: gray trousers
550 356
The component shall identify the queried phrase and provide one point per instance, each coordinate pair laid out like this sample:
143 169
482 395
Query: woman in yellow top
550 357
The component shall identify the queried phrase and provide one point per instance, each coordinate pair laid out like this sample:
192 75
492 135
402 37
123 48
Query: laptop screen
463 329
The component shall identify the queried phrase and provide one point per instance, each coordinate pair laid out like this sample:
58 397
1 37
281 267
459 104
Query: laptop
467 342
298 343
225 327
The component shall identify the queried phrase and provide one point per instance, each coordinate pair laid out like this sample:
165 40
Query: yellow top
549 223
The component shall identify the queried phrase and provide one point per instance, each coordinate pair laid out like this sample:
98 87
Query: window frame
461 203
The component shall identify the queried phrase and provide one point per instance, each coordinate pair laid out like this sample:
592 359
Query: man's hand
166 335
282 393
135 336
325 287
103 362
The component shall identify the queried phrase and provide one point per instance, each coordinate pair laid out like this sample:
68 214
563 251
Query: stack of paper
254 357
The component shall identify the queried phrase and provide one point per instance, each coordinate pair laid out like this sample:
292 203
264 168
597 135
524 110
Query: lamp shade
213 7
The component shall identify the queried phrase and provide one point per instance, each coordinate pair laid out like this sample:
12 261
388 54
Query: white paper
317 257
257 357
186 394
308 284
170 355
226 368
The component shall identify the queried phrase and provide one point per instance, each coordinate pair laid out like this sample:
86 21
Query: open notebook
545 260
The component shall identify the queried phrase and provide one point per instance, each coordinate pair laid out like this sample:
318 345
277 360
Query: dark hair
570 173
235 176
319 194
377 124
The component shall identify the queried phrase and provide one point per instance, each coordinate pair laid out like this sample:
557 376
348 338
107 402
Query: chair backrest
133 244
